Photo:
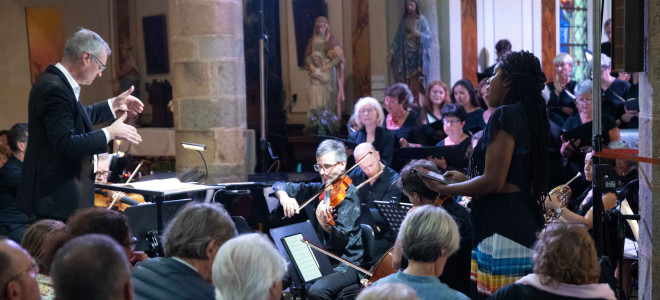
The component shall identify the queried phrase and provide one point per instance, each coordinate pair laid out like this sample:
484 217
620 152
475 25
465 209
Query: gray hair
5 260
586 86
246 267
336 147
563 57
426 231
605 61
84 40
193 228
78 270
368 101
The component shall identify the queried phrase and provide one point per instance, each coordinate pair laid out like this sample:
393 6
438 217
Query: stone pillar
649 146
208 84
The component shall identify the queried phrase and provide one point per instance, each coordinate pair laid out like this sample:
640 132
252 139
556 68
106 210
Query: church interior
259 84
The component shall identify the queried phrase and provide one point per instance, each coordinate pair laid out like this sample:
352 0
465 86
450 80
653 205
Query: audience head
605 67
352 123
248 267
3 137
38 240
607 26
437 94
502 47
412 185
18 272
398 97
18 137
566 253
196 232
103 221
453 119
519 78
388 291
368 112
584 97
563 64
429 234
370 165
330 160
482 91
464 94
91 266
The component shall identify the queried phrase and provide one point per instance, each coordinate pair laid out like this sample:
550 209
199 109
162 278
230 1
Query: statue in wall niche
324 58
409 54
127 71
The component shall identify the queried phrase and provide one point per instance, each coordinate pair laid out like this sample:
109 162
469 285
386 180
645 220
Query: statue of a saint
409 54
329 62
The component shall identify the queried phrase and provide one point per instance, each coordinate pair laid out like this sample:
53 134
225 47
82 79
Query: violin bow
118 195
328 253
330 184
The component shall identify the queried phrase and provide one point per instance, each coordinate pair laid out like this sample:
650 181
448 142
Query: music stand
393 213
143 221
306 229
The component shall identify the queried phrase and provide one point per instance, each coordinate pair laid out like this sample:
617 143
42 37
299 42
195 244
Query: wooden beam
548 38
469 41
361 47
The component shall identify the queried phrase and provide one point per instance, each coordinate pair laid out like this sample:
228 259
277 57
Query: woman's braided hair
527 80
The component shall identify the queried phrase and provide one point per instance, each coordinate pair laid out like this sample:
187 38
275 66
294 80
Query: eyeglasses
450 122
585 101
103 173
366 111
34 268
328 167
98 61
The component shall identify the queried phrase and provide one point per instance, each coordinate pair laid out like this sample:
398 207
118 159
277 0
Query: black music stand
143 221
306 229
393 213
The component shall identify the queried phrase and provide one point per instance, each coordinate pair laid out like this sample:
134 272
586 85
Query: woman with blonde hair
565 267
369 120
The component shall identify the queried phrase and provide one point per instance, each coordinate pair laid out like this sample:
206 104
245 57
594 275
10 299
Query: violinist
104 198
457 268
344 238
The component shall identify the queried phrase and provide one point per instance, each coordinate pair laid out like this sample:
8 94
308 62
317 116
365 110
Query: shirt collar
74 85
184 262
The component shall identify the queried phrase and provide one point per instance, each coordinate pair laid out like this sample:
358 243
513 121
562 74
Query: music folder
582 132
302 257
454 155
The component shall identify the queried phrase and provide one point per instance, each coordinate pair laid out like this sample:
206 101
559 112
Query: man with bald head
17 272
381 187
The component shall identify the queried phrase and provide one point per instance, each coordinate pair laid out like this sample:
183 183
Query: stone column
208 84
649 146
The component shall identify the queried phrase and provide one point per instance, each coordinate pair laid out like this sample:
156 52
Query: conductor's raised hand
125 102
120 131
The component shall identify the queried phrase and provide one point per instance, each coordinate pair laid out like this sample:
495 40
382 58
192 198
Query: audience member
91 266
502 47
565 267
606 47
463 93
403 121
388 291
18 271
4 143
248 267
369 119
39 241
562 89
437 95
482 95
457 275
615 91
191 241
13 222
453 119
381 188
429 236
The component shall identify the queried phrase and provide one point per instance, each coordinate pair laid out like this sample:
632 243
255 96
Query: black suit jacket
57 170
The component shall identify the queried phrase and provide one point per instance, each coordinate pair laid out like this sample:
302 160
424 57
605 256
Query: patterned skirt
504 229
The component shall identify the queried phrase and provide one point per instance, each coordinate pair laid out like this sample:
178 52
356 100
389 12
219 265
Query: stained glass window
573 35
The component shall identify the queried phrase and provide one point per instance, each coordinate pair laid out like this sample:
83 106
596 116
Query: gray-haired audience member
91 266
17 272
248 267
191 241
429 235
388 291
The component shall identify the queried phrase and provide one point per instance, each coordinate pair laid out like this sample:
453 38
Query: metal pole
596 128
262 88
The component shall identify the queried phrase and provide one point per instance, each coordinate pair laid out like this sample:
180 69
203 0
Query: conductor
57 172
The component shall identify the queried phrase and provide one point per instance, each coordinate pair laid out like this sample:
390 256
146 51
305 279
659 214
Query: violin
105 198
382 268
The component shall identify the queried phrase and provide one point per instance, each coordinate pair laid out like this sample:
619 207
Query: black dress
611 102
556 102
475 120
504 225
413 131
383 142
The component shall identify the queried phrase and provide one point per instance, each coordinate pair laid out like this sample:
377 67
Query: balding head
18 272
370 165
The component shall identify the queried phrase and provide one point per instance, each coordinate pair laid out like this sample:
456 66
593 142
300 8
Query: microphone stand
263 38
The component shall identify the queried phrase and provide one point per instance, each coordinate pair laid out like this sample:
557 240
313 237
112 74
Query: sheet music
303 258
